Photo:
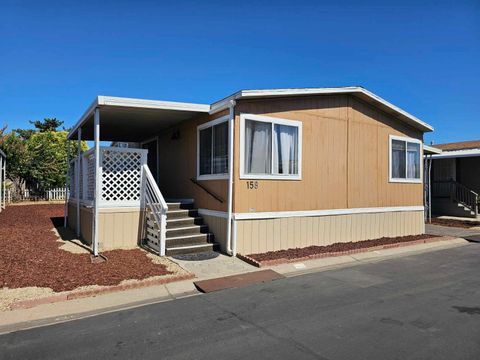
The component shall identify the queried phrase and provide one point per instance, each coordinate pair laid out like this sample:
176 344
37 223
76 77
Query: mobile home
259 170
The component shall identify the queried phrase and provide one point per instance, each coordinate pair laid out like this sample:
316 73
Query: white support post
67 182
78 168
98 175
163 232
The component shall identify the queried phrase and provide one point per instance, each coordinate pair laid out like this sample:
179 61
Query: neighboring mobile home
266 169
456 179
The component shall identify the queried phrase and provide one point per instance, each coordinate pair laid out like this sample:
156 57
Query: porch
456 184
115 200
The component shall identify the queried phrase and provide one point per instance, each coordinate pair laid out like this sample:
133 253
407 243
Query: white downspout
98 174
231 128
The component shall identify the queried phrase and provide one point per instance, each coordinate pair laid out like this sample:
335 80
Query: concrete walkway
450 231
80 308
212 265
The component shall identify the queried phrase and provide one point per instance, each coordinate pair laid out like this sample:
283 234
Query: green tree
47 124
37 158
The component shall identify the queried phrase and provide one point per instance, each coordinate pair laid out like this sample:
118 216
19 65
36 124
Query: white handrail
153 199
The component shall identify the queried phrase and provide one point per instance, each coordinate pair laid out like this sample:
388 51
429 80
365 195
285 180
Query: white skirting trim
284 214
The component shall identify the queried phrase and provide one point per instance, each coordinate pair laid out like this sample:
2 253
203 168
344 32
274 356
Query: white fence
56 194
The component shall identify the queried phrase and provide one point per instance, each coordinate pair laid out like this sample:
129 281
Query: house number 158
252 185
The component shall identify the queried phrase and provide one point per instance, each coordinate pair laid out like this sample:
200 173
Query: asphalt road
425 306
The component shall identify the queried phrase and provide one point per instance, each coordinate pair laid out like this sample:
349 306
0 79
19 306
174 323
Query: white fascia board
137 103
152 104
431 149
224 103
457 154
331 212
85 116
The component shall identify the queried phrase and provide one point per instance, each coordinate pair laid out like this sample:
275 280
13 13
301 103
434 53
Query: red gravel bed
298 253
466 224
30 255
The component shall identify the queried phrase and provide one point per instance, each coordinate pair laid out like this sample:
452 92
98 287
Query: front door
152 159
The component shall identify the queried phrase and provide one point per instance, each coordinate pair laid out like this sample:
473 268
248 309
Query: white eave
355 90
457 154
122 102
431 150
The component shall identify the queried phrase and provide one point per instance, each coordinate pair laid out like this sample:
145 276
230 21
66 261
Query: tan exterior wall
257 236
345 155
178 164
218 227
119 228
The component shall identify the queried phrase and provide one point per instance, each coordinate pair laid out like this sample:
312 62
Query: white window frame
390 169
274 121
205 126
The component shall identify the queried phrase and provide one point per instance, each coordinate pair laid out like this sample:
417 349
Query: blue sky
55 57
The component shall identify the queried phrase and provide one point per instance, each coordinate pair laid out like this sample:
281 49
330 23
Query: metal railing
156 204
457 192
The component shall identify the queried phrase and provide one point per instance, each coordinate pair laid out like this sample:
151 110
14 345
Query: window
270 148
212 140
405 155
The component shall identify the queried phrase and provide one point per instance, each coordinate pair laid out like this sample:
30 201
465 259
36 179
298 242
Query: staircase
185 234
453 198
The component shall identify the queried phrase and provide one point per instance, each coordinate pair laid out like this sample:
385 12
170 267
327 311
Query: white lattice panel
90 177
121 175
71 177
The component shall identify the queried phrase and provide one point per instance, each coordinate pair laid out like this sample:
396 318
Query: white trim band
330 212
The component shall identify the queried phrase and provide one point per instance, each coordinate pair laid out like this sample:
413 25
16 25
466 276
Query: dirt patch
466 224
310 251
30 255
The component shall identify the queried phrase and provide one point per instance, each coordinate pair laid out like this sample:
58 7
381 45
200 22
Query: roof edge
224 103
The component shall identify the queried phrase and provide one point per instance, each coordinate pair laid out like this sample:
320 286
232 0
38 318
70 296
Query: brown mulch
30 255
333 248
466 224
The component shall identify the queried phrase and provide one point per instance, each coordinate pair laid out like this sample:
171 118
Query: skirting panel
257 236
218 226
119 228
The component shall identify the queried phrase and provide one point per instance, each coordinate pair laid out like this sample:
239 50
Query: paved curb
341 253
25 304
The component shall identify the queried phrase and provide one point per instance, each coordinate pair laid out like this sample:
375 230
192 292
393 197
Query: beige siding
118 228
345 158
218 227
256 236
178 164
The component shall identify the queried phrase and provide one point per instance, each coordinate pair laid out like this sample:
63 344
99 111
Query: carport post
98 174
77 175
67 182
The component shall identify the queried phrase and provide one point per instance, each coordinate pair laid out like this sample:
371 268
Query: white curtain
258 155
413 161
285 145
398 159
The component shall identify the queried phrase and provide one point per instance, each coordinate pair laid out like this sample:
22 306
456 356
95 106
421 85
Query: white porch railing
157 207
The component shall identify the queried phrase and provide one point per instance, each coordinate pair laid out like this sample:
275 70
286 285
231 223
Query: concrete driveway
425 306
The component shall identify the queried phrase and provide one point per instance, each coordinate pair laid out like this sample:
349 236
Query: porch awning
132 120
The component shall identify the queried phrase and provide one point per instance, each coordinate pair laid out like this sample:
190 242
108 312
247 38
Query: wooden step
188 221
184 240
191 249
179 205
186 230
183 213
